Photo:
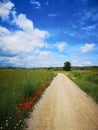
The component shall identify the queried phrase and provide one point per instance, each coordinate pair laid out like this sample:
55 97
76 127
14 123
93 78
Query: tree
67 66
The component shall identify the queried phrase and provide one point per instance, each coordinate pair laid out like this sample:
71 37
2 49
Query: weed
87 80
19 91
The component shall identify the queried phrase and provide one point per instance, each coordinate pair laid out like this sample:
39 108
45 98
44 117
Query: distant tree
67 66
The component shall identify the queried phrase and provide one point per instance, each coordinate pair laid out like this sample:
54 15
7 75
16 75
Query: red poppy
21 105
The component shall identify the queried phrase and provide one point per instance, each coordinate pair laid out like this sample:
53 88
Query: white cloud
87 47
53 15
5 9
23 22
89 28
79 63
61 46
27 45
43 59
22 41
91 15
26 42
11 61
88 63
36 3
3 31
44 54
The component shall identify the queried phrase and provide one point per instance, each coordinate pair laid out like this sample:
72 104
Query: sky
47 33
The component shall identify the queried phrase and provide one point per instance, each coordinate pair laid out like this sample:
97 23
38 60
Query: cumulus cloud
81 63
25 39
87 47
24 43
23 22
61 46
42 59
88 63
44 54
36 3
26 46
5 9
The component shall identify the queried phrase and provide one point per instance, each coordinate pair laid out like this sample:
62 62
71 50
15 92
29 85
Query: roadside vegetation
20 89
86 79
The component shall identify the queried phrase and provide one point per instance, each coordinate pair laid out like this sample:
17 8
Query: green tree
67 66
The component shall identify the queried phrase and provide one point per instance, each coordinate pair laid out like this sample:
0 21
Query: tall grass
87 80
15 87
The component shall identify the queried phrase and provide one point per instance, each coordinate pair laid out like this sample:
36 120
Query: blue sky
45 33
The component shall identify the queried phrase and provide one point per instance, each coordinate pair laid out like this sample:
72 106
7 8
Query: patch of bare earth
64 106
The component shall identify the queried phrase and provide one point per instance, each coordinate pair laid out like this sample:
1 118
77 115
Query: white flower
6 120
17 124
1 128
22 125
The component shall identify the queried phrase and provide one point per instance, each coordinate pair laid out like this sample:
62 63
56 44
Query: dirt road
64 107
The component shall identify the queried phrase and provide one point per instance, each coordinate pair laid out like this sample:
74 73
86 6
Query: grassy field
87 80
20 89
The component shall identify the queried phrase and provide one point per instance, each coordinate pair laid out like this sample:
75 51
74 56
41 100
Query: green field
19 91
87 80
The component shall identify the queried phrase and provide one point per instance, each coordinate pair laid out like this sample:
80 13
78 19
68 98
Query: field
20 89
87 80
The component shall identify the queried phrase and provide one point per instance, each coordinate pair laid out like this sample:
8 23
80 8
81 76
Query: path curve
64 106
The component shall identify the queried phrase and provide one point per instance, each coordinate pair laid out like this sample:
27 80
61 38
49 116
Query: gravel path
64 106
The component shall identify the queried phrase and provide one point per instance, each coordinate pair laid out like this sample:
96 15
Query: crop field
20 89
87 80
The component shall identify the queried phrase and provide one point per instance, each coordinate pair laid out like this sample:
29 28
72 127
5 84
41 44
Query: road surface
64 106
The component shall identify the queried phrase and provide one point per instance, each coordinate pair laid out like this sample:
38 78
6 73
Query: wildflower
27 105
17 124
22 125
21 105
20 121
34 99
1 128
30 103
6 120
